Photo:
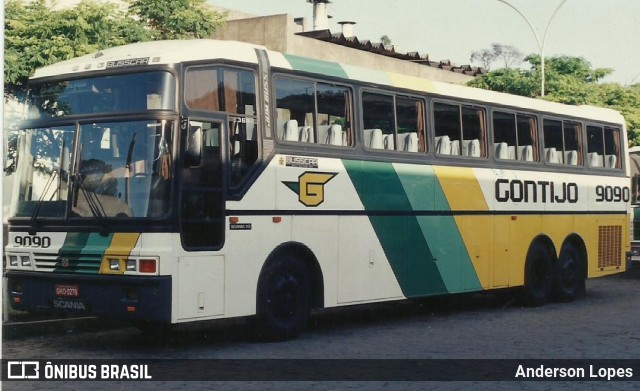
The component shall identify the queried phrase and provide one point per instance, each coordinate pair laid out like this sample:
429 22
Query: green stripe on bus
443 237
401 237
82 252
316 66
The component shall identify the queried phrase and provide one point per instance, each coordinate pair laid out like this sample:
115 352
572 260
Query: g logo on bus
64 262
310 187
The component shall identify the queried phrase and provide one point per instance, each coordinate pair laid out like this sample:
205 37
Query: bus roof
173 52
157 53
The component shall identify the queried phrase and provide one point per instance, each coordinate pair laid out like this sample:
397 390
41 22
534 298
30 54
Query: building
288 34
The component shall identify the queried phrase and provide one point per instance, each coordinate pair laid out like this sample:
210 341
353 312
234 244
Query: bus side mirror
193 154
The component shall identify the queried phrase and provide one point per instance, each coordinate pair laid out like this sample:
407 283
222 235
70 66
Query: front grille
609 246
68 263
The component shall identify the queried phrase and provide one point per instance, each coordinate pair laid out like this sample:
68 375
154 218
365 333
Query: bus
634 163
182 181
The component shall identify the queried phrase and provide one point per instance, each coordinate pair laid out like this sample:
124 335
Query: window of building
460 130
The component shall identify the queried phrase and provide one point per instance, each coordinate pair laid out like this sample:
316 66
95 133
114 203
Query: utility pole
541 43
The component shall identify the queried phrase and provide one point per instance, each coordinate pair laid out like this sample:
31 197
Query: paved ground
603 325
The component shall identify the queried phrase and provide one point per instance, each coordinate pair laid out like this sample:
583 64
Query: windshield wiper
36 210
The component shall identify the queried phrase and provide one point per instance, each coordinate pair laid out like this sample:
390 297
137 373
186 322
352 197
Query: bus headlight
13 260
114 264
25 261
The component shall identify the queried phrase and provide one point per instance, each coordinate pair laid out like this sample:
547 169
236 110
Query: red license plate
67 290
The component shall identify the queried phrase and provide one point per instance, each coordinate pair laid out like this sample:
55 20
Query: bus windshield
116 170
103 94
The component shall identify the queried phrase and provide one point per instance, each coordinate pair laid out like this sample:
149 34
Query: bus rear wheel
538 276
569 276
284 299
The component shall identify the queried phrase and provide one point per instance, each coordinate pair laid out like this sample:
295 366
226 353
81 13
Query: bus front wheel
284 299
538 276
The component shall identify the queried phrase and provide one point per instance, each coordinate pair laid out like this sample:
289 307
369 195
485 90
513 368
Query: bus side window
562 142
603 147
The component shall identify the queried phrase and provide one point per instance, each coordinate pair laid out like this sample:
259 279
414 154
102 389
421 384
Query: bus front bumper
126 297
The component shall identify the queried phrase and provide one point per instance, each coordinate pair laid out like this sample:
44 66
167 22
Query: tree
508 54
386 41
36 36
177 19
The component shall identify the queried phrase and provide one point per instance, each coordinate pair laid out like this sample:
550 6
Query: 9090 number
612 194
32 241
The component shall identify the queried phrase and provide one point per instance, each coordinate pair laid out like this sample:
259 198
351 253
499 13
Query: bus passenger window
313 112
393 122
295 108
527 138
515 136
562 142
410 122
460 130
377 112
504 135
334 115
603 147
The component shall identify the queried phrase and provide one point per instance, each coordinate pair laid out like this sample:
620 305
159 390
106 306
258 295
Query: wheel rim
285 301
541 275
568 273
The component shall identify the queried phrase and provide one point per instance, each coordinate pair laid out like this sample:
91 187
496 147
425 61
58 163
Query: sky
604 32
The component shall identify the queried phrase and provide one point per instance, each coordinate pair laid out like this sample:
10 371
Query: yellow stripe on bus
121 246
410 82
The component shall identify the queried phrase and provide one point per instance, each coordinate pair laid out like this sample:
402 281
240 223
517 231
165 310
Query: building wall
277 32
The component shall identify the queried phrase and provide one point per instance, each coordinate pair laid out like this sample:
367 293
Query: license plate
67 290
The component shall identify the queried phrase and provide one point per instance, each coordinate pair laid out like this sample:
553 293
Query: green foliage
569 80
177 19
36 35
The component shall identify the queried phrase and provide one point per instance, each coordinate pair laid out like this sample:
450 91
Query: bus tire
538 275
569 276
284 299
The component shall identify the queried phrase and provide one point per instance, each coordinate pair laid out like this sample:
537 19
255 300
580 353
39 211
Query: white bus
173 182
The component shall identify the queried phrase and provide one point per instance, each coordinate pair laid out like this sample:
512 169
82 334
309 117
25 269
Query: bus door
203 183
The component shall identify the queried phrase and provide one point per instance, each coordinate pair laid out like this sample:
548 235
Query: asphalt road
605 324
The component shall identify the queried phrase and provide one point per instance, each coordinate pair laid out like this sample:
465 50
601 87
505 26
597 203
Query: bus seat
373 138
571 157
471 147
388 141
306 134
595 160
501 150
525 153
334 136
409 141
443 145
610 161
291 132
323 134
455 147
552 156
